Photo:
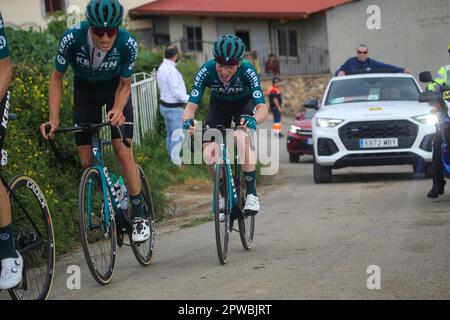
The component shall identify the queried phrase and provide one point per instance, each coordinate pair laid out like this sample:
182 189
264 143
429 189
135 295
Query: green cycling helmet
104 13
228 50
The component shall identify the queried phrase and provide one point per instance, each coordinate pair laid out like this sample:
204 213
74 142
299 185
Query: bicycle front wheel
222 228
144 251
34 239
97 231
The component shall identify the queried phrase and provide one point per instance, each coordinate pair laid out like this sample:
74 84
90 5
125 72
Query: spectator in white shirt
173 96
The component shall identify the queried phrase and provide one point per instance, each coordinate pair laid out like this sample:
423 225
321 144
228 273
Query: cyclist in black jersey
11 260
236 95
102 56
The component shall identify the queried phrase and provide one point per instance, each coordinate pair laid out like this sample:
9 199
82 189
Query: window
287 42
194 38
245 36
54 5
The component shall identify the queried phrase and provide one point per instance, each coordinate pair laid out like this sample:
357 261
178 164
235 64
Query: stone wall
297 89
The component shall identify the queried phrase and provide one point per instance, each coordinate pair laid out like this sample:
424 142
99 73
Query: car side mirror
425 77
428 96
312 104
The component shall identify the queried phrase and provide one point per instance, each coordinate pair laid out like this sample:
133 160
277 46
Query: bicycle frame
232 187
110 199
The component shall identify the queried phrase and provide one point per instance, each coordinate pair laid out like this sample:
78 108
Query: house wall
209 33
414 33
258 29
311 31
312 41
24 13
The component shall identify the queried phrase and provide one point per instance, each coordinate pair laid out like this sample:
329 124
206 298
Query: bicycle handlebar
222 130
89 128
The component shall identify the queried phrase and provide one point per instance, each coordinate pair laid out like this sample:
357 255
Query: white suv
372 119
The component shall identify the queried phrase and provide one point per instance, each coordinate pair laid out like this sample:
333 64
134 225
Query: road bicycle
231 178
104 221
33 236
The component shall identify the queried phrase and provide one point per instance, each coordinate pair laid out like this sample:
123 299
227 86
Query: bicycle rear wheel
98 237
222 228
144 251
34 239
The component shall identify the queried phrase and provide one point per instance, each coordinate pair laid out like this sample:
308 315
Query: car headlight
431 119
328 123
293 129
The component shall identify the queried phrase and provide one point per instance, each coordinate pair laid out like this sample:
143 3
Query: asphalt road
311 242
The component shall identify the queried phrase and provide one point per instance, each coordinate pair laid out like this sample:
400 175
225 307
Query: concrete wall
32 12
414 33
311 32
312 42
258 29
209 33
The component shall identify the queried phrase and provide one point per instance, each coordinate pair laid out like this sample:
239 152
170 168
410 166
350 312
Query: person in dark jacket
362 62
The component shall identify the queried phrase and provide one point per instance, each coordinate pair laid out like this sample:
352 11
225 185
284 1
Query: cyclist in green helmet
11 260
236 95
437 189
102 56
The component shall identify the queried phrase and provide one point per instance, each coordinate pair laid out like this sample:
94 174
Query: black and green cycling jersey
74 50
245 83
4 49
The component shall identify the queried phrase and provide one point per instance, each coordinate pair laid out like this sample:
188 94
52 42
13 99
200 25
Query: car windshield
372 89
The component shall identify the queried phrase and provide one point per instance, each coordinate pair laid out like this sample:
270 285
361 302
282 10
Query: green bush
26 155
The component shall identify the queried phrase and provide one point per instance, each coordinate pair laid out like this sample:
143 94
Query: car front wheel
322 174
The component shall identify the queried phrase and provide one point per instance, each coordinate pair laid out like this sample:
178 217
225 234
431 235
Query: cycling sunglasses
362 52
225 62
100 32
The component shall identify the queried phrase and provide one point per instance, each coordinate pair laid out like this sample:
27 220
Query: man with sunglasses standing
102 56
362 63
236 95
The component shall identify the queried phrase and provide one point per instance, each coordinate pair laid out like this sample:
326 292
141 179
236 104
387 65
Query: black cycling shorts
88 102
223 112
4 111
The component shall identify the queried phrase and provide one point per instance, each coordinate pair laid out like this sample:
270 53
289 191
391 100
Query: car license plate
309 141
378 143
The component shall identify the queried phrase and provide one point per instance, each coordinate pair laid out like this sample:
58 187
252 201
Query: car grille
304 132
404 130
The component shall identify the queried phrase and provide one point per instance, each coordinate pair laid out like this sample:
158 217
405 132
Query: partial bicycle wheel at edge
222 228
98 237
34 239
144 251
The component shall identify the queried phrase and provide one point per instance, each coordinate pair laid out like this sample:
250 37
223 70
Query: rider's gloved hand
248 121
188 124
